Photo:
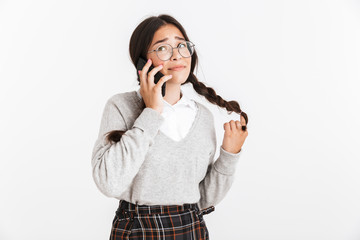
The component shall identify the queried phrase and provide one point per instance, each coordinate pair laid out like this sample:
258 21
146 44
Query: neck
172 93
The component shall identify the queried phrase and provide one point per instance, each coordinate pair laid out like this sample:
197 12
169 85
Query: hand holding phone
141 63
152 99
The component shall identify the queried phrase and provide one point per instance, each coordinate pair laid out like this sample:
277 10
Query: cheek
164 66
157 62
188 70
189 63
160 62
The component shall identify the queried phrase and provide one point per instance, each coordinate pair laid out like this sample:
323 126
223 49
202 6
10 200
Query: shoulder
207 114
122 98
127 103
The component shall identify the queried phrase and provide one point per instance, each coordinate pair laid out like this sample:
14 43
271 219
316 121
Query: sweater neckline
191 130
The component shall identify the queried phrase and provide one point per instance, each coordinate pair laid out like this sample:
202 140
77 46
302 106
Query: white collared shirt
178 117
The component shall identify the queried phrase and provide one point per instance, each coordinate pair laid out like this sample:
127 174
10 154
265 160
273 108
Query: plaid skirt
165 222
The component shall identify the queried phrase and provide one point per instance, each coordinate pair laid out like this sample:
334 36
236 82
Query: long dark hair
139 44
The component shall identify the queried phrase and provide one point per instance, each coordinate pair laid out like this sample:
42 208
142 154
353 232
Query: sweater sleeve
219 177
114 165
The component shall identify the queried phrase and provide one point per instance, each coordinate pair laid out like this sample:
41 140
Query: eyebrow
163 40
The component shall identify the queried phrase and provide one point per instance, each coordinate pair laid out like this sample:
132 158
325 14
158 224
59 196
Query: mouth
177 68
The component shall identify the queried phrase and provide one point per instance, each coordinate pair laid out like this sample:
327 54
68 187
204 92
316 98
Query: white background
293 66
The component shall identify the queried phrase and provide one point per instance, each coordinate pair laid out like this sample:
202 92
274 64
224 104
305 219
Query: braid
210 94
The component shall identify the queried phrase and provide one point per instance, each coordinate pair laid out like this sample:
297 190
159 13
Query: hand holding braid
234 136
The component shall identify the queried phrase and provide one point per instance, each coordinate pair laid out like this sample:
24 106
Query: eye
181 45
162 48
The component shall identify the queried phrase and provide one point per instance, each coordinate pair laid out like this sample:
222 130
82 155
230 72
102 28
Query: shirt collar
184 100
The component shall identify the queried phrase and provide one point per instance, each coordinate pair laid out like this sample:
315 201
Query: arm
219 177
114 165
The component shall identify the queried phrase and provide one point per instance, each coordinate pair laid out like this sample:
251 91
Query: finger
162 80
238 124
146 67
242 121
232 125
154 71
227 127
144 70
142 82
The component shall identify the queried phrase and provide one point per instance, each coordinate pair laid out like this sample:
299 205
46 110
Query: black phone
141 63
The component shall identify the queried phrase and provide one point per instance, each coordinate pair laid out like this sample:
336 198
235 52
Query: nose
176 54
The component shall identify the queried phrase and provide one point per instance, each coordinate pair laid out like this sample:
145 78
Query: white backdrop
293 66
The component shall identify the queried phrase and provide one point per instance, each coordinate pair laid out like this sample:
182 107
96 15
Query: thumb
162 80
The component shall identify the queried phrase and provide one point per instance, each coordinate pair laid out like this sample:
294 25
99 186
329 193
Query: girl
155 154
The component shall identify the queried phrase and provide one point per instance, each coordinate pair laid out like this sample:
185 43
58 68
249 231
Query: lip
177 68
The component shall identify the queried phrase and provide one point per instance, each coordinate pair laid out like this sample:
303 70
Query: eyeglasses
165 51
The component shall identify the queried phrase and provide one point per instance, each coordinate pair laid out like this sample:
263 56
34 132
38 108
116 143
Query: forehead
167 31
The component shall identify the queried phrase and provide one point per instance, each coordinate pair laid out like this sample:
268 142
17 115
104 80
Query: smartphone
141 63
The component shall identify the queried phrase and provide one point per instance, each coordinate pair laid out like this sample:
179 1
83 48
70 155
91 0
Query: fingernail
149 60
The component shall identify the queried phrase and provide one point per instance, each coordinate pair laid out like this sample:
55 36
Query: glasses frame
172 50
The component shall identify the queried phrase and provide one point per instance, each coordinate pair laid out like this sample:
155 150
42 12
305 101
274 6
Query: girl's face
171 35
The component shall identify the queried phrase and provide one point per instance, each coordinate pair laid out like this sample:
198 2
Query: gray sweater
148 167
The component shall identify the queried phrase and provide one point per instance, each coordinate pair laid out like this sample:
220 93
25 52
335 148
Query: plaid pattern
165 222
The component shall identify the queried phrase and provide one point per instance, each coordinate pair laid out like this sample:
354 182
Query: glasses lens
164 52
186 49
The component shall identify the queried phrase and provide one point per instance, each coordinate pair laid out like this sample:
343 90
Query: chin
178 79
179 76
